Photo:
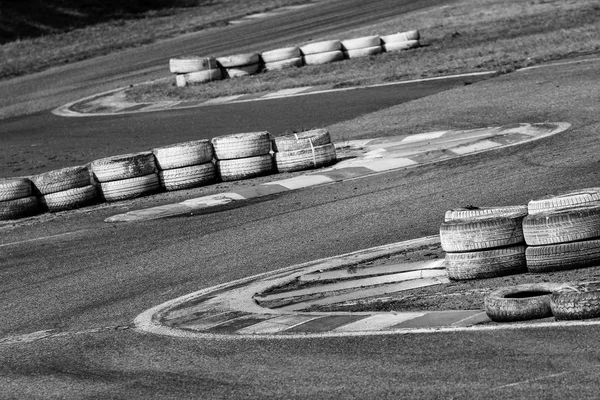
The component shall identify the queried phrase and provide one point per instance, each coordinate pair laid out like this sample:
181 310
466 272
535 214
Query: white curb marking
378 322
302 181
479 146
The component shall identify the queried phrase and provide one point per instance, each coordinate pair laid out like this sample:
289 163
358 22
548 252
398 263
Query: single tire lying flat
187 64
477 212
123 167
243 70
521 302
61 179
15 188
366 52
237 60
401 37
299 160
289 63
400 46
565 201
576 301
19 208
323 58
321 47
480 233
574 224
486 263
188 177
241 145
182 80
130 188
244 168
557 257
70 199
361 43
183 154
301 140
281 54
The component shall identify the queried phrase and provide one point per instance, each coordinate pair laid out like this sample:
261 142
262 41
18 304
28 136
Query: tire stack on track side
400 41
240 64
65 189
362 47
277 59
194 69
185 165
521 302
322 52
243 155
483 242
576 301
126 176
303 150
563 231
17 199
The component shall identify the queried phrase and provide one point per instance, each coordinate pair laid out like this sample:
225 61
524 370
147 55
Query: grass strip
467 36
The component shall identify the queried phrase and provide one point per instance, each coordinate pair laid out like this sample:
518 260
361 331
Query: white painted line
479 146
559 64
388 164
44 238
378 322
221 100
286 92
278 324
302 181
424 136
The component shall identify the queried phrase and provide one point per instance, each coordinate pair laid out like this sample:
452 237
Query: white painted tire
321 47
299 160
472 234
184 65
361 43
244 168
366 52
70 199
401 37
15 188
238 60
123 167
183 154
301 140
199 77
323 58
187 177
485 212
399 46
242 145
19 208
130 188
570 225
564 201
243 70
281 54
61 179
486 263
289 63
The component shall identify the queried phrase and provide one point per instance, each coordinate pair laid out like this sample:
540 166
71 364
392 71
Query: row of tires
174 167
554 233
194 69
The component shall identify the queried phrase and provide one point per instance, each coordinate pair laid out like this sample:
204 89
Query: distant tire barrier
240 64
188 177
15 188
298 160
366 52
243 70
301 140
486 263
326 46
323 58
183 154
477 212
241 145
521 302
283 54
576 301
70 198
361 43
565 201
19 208
123 166
244 168
578 223
182 80
557 257
289 63
400 41
400 46
61 180
185 65
130 188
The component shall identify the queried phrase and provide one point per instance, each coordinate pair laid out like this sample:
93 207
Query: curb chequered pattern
371 156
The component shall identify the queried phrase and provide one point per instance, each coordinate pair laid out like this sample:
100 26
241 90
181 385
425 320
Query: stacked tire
65 188
17 199
126 176
483 242
193 70
563 232
322 52
240 64
362 47
278 59
185 165
400 41
303 150
243 155
576 301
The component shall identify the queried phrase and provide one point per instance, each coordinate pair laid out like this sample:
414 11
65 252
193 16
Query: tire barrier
65 188
196 70
521 302
243 155
303 150
185 165
576 301
16 199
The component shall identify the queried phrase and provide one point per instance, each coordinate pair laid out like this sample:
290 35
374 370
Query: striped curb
231 310
114 101
373 156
